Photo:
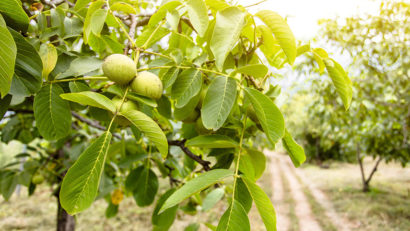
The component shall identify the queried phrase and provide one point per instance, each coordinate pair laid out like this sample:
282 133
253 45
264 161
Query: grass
385 208
38 213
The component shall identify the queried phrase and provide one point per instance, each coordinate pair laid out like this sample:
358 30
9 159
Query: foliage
378 121
209 56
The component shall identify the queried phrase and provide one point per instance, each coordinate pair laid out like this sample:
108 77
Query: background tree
377 123
99 129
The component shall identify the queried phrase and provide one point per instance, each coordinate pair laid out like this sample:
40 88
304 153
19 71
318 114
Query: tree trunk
65 222
359 160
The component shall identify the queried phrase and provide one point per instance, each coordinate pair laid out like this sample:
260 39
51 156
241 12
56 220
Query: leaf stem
155 53
239 157
80 78
118 109
183 67
152 35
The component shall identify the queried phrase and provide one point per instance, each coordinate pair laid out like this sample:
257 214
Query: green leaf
263 204
282 32
161 12
270 46
168 79
198 14
212 198
90 98
187 85
340 80
48 54
132 178
173 19
80 184
217 4
234 219
319 54
81 4
296 152
268 114
27 78
187 110
8 183
14 15
164 220
151 34
52 113
78 86
97 21
118 91
242 195
255 70
4 105
195 185
96 5
212 141
148 126
147 187
252 164
228 27
192 227
218 102
8 52
123 7
81 66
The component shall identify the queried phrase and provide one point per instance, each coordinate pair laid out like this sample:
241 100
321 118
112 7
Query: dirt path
281 164
307 221
339 222
282 220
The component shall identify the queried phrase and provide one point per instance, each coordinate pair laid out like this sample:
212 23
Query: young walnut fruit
126 106
119 68
147 84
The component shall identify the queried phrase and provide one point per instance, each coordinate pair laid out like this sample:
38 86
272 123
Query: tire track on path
338 221
281 209
307 221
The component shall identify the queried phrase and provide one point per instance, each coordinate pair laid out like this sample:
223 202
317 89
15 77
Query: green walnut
202 96
200 128
192 117
252 114
128 105
37 179
147 84
119 68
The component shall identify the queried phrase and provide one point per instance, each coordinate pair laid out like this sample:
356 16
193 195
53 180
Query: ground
307 198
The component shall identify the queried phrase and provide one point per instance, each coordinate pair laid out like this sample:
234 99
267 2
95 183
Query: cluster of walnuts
122 70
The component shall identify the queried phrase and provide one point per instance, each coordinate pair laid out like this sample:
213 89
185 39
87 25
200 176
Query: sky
302 15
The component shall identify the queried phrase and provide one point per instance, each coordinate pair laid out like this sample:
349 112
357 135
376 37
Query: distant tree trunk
366 182
359 160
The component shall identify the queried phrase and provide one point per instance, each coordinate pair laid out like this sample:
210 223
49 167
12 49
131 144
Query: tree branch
374 170
181 143
93 123
131 33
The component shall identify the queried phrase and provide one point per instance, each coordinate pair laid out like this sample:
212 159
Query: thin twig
131 33
92 123
181 143
254 4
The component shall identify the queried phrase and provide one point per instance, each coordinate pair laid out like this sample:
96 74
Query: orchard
169 103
